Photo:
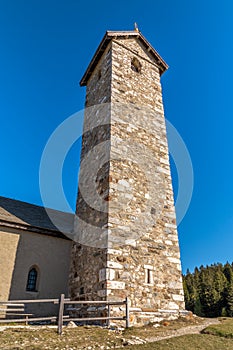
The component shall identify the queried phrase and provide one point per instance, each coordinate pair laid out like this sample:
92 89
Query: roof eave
35 229
97 54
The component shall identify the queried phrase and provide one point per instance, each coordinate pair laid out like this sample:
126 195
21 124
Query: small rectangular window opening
148 276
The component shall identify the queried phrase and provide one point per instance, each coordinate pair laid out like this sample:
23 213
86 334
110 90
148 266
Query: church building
34 254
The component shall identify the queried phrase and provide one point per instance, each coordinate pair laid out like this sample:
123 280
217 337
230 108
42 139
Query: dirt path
184 330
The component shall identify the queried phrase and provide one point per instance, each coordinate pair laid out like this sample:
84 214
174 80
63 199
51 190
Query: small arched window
136 65
32 280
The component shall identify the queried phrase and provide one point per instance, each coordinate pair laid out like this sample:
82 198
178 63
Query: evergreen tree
208 290
227 270
229 300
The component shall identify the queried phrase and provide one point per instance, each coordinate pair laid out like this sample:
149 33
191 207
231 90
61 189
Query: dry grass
165 327
225 329
87 337
76 338
189 342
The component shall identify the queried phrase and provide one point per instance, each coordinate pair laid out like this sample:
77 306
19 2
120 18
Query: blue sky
45 48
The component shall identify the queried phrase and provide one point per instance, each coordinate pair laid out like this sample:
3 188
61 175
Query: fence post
60 314
108 320
127 312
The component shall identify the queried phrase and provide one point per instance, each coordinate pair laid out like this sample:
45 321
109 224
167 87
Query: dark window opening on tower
148 276
32 280
136 65
81 291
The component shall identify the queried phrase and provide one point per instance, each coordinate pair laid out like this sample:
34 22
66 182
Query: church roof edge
34 218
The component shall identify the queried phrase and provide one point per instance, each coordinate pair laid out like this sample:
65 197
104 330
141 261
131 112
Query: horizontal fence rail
13 311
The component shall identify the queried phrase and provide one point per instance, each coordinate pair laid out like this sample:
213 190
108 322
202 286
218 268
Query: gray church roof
110 35
30 217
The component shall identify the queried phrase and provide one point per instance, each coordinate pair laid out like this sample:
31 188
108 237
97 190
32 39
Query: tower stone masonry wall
133 235
87 261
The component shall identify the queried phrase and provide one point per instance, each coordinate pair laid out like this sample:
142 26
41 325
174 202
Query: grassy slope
189 342
225 329
95 338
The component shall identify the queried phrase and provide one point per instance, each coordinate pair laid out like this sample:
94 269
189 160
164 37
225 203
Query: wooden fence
14 308
6 308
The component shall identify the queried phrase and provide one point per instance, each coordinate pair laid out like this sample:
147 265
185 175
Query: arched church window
32 280
136 65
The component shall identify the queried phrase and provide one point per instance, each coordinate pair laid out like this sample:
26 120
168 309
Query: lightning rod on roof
136 27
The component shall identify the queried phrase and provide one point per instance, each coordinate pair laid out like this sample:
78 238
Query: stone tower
125 227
